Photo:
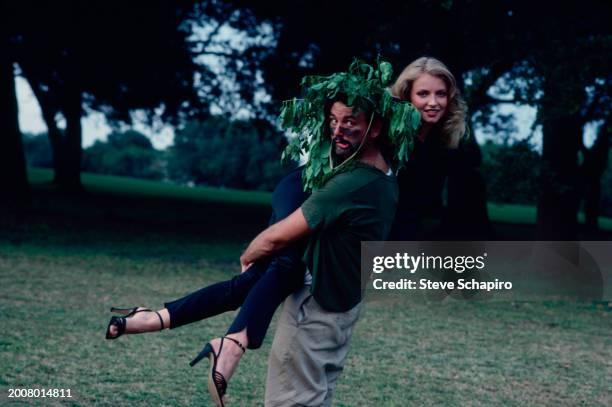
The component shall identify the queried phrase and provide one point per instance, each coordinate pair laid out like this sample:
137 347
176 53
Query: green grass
115 206
53 310
64 262
124 186
130 187
526 214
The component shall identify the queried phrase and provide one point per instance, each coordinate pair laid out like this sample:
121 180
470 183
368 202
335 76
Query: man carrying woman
350 126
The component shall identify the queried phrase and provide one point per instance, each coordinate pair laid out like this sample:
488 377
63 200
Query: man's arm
276 237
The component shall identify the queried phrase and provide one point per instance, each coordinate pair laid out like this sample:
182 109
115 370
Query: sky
94 123
95 126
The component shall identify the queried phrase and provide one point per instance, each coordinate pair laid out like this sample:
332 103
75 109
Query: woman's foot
228 356
137 320
224 354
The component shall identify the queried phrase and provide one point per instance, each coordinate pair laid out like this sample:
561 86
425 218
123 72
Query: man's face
347 129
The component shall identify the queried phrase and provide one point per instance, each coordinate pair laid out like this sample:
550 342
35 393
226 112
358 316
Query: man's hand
245 267
275 237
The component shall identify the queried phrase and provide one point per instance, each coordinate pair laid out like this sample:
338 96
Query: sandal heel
217 384
205 352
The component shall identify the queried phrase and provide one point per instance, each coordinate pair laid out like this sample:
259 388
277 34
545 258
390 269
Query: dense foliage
365 89
127 153
224 153
556 59
512 172
217 152
38 150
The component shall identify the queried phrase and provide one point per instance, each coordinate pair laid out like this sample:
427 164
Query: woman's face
430 96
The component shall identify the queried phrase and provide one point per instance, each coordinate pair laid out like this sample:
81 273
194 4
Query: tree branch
478 96
490 100
212 34
220 54
595 107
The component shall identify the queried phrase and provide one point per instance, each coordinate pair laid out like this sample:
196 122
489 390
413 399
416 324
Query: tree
578 54
595 162
512 172
224 153
37 150
128 154
73 60
605 187
549 56
13 176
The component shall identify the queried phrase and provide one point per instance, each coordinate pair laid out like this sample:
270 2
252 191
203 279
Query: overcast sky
96 128
94 124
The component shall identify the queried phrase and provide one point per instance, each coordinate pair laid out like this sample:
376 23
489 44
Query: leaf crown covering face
365 88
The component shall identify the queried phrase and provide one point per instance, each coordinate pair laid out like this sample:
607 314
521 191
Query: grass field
127 187
64 262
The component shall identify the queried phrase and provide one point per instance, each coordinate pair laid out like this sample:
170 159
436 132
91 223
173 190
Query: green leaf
415 119
362 84
386 72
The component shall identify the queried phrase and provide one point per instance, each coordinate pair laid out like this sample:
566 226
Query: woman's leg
220 297
215 299
206 302
284 276
251 324
141 321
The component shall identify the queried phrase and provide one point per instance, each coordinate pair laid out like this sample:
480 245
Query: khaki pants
308 352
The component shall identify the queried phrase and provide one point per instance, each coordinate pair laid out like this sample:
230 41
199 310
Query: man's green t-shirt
354 206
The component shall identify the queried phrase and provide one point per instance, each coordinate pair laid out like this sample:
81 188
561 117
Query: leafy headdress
364 88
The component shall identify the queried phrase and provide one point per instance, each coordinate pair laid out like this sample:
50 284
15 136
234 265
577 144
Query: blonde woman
430 86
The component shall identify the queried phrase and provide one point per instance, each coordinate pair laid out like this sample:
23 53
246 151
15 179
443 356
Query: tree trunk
73 150
558 201
594 165
557 216
13 173
65 146
49 110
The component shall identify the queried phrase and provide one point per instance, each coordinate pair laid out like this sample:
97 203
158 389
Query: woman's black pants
261 288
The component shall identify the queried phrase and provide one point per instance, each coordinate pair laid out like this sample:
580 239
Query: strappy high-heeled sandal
217 385
120 322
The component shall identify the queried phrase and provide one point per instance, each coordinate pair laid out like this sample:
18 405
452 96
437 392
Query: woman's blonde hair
453 124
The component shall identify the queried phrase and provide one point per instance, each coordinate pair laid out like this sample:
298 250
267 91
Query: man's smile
342 143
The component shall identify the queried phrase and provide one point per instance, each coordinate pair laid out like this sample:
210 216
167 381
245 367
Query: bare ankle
241 337
146 321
